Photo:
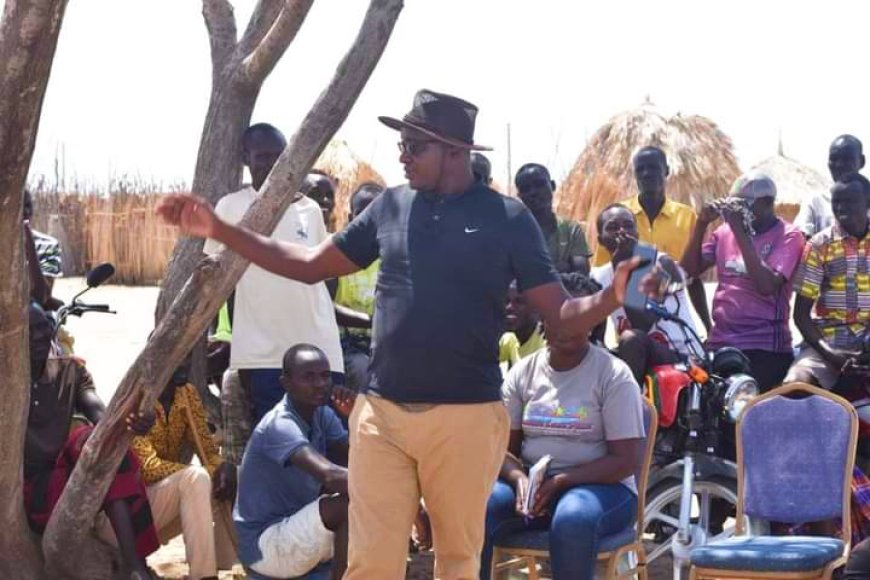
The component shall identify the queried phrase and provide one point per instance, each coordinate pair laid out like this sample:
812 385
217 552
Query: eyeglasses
415 147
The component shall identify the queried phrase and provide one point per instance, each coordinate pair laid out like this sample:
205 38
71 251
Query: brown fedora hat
442 117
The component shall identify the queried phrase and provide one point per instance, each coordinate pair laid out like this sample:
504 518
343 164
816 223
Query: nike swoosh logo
471 230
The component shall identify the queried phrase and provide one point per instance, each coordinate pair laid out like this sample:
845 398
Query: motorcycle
693 486
63 340
97 276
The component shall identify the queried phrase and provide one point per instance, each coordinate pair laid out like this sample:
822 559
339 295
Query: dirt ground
110 343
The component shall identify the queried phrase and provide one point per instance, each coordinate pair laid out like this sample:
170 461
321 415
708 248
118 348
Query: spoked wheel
713 509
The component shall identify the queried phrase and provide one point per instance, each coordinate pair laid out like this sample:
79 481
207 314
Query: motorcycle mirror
100 274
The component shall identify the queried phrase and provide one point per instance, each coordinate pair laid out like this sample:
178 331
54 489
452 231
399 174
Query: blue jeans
266 390
581 515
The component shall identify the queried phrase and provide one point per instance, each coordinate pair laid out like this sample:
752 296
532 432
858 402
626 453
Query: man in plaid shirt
834 275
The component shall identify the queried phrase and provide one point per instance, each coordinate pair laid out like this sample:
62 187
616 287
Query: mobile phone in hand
635 299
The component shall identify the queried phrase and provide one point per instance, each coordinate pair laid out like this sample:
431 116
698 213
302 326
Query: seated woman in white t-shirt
579 404
643 341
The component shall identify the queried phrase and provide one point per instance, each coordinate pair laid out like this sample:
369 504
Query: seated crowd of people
274 495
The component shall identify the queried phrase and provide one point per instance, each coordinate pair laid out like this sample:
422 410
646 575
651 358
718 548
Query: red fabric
42 492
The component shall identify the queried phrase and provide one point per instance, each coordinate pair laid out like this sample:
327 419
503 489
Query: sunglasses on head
414 147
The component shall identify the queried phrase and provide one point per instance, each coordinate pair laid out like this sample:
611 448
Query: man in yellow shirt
662 222
187 498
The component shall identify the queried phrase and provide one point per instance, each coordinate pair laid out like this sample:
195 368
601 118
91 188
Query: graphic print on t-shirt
551 418
737 266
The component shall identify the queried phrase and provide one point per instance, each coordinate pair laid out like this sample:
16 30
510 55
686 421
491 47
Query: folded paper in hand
536 477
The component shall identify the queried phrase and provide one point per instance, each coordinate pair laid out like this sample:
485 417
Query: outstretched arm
576 316
195 217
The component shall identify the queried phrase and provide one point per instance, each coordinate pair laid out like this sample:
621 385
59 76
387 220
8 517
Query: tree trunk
218 172
28 38
212 280
238 72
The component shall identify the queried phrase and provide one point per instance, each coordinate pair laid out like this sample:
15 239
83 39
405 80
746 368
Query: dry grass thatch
795 183
349 171
700 157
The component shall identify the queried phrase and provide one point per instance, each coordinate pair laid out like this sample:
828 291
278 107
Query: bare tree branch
206 290
261 21
221 25
258 64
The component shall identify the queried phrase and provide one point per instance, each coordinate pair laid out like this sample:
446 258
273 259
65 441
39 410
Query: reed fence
120 228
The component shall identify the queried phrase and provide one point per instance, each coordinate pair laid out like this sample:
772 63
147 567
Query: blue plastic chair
524 548
794 465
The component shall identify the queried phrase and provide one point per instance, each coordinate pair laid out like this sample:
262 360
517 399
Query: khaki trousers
182 503
448 454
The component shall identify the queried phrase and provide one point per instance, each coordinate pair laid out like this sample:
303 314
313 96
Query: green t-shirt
567 242
357 292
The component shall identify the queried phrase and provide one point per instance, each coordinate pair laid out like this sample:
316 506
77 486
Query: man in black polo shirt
431 422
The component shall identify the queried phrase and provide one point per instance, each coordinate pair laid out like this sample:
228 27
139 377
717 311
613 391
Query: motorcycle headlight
740 389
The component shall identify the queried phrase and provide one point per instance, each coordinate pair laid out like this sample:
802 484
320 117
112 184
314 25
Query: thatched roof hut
700 157
795 183
349 172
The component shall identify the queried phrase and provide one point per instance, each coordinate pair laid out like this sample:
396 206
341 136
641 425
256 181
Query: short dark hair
851 140
853 179
599 221
265 128
652 149
288 361
367 187
579 284
530 166
481 166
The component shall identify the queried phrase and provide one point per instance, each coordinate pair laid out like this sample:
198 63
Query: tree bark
211 282
238 72
28 38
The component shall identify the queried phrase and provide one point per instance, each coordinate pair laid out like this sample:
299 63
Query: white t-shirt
572 414
273 313
815 214
665 332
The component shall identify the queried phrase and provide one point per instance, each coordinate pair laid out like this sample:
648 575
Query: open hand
192 214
